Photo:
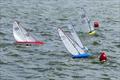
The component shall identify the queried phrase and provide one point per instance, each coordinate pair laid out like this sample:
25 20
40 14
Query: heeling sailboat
86 24
75 36
72 47
22 36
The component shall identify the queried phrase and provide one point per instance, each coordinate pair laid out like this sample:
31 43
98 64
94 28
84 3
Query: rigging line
76 34
21 28
34 37
18 24
28 33
88 21
71 42
74 44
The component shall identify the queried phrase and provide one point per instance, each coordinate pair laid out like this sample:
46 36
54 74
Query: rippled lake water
52 61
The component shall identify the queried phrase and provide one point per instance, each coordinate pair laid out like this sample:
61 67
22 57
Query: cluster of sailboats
72 42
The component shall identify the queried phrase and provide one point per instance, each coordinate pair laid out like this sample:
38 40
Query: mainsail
20 34
86 23
75 36
71 46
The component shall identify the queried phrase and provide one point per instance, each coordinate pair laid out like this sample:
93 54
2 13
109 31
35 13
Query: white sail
75 36
71 46
92 26
86 23
21 34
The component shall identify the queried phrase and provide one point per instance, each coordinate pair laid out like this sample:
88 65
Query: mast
88 21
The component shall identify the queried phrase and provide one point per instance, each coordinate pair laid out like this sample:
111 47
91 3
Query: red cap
96 24
103 57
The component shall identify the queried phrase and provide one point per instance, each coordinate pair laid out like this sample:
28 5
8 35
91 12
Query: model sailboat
86 24
75 48
22 36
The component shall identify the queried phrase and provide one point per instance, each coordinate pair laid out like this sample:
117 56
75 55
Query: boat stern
85 55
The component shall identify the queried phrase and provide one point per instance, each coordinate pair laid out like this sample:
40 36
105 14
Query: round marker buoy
96 24
103 57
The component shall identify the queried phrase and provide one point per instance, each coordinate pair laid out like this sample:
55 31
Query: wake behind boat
72 46
23 37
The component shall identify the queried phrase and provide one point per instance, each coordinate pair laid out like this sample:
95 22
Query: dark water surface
52 61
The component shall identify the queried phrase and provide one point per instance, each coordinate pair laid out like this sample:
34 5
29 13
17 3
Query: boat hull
92 33
85 55
31 43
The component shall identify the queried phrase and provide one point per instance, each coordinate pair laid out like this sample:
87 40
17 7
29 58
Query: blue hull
86 55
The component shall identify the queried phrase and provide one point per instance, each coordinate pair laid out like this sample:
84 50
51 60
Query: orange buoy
103 57
96 24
